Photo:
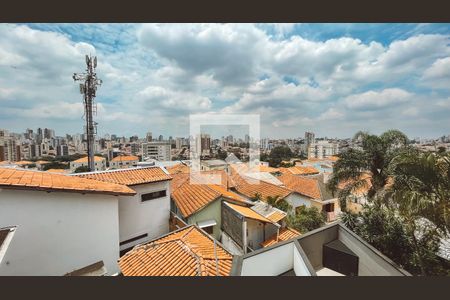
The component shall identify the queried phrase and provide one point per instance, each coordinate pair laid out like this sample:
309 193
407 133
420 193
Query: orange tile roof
248 212
131 176
57 170
305 186
300 170
186 252
285 234
361 190
23 162
250 187
42 162
190 198
47 181
179 168
124 158
85 159
264 169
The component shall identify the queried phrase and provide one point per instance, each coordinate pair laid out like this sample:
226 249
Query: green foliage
82 169
278 154
279 203
54 165
306 219
222 154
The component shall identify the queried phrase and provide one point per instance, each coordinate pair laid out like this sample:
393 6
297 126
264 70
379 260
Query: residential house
99 162
200 204
145 215
213 164
123 161
331 250
311 192
186 252
63 223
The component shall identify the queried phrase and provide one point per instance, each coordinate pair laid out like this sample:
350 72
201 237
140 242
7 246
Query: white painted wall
137 217
230 245
255 231
269 263
296 200
59 232
300 268
370 264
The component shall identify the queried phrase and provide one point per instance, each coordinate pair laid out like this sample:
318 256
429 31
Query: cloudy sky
333 79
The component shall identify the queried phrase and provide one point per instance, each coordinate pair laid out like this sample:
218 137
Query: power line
88 89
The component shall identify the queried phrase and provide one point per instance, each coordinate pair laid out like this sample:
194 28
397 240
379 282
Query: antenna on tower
88 88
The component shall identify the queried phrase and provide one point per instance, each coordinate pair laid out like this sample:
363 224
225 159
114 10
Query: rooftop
300 170
185 252
130 176
85 159
284 235
272 213
249 187
248 212
125 158
311 187
46 181
329 250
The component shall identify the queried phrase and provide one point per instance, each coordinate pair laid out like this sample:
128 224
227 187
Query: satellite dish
95 62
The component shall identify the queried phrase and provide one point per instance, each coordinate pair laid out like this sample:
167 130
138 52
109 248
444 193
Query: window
209 229
154 195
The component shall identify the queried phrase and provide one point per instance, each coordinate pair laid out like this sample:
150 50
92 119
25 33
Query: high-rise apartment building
156 150
323 149
148 137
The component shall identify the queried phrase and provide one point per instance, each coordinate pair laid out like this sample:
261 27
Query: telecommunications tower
88 87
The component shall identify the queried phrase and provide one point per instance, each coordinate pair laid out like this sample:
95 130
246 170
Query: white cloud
375 100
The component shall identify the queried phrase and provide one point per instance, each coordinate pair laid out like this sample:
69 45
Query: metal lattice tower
88 88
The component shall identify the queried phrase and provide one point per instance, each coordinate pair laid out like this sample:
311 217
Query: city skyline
333 79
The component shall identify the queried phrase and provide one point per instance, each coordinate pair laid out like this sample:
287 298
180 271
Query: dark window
208 229
154 195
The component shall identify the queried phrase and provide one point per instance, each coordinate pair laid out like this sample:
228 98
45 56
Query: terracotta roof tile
131 176
300 170
305 186
179 168
57 170
186 252
192 197
47 181
250 187
85 159
285 234
124 158
276 216
248 213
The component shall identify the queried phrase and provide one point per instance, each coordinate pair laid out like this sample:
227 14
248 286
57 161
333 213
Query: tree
306 219
278 154
54 165
82 169
371 162
420 193
279 203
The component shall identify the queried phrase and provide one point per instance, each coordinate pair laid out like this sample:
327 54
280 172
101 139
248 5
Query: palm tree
368 166
421 186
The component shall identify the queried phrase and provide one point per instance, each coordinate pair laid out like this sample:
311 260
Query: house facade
100 163
145 215
62 223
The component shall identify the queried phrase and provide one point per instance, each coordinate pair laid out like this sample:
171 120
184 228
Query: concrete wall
269 263
300 267
210 212
313 245
370 264
296 200
59 232
255 235
150 217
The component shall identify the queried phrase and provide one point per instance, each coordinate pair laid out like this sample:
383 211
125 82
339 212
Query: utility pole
88 88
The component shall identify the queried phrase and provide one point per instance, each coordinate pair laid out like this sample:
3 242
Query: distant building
322 149
123 161
62 150
99 162
156 150
213 164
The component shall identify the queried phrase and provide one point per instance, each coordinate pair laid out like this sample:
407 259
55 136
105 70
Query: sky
332 79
